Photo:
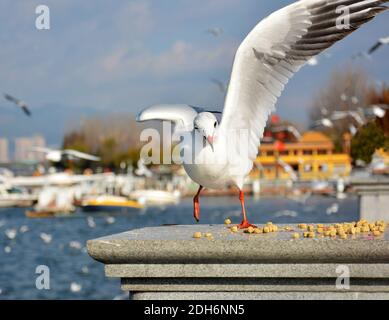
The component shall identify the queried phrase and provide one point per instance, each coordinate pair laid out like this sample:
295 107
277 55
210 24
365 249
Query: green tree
368 139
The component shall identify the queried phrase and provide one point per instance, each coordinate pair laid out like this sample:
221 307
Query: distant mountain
51 121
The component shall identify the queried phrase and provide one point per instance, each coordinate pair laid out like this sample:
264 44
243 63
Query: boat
15 197
110 203
39 214
152 197
53 201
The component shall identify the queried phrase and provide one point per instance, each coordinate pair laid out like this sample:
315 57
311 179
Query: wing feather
276 49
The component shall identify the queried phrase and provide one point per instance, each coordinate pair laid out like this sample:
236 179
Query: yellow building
311 158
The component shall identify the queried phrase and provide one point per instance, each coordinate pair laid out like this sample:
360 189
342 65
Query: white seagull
265 61
57 155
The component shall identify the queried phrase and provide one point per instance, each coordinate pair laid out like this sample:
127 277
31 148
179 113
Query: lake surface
74 275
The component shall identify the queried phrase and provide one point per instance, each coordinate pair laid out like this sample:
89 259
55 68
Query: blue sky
126 55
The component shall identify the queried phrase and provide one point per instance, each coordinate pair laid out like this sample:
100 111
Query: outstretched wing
81 155
277 48
41 149
182 115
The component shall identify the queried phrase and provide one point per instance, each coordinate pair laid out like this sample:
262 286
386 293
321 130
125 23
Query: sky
121 56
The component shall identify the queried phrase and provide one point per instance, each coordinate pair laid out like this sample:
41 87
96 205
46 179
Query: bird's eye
196 128
215 124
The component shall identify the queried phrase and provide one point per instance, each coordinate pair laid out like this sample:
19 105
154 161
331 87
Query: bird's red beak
210 140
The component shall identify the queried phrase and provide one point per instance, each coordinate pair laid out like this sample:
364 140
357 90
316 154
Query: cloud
181 58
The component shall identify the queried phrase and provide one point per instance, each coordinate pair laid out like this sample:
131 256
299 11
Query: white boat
156 197
56 199
15 197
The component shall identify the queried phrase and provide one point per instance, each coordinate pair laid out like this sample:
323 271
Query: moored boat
110 203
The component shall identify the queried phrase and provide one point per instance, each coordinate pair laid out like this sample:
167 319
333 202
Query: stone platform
168 263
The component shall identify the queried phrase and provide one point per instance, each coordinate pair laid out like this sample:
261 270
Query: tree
115 138
367 140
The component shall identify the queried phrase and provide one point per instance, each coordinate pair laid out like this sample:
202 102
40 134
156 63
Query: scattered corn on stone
227 221
197 235
302 226
250 229
296 235
258 230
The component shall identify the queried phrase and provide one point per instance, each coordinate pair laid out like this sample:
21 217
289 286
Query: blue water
67 264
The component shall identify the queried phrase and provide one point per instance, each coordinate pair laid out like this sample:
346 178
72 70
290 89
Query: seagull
216 32
46 238
21 104
223 152
288 128
380 43
142 170
340 115
57 155
324 122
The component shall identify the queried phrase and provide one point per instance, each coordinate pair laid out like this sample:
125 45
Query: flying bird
216 32
264 62
379 44
57 155
288 128
21 104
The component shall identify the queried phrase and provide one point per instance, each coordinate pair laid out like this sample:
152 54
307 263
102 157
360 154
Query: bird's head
206 124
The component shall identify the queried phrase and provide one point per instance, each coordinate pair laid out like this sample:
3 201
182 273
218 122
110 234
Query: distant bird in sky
216 32
221 85
57 155
288 128
20 103
268 57
324 122
379 44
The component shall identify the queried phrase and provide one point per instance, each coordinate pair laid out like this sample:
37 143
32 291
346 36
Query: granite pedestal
168 263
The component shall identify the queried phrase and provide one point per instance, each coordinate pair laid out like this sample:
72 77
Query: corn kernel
197 235
208 235
258 230
266 230
302 226
296 235
250 229
227 221
234 229
376 233
343 236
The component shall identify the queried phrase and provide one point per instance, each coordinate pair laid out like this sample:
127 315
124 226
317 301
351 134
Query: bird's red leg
196 205
245 223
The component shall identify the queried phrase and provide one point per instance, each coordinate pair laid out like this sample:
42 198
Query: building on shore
23 148
310 158
4 157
